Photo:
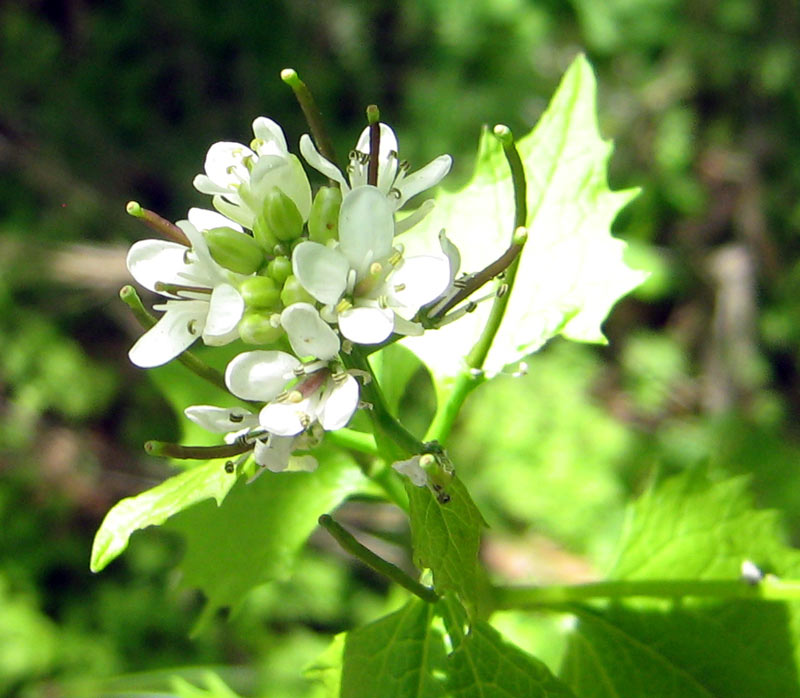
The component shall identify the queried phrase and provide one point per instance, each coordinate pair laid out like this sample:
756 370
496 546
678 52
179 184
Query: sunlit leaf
692 529
396 656
156 505
572 270
485 666
446 539
254 536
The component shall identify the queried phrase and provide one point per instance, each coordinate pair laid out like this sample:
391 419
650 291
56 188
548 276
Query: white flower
203 298
240 177
270 451
393 182
365 284
317 394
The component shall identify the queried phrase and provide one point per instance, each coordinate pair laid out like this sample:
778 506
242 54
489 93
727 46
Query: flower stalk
312 113
472 376
352 546
131 298
157 223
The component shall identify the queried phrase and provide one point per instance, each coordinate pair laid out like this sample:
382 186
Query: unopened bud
264 235
280 269
323 221
260 292
282 216
293 292
234 250
255 328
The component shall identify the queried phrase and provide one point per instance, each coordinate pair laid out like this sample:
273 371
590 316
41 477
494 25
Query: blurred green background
102 102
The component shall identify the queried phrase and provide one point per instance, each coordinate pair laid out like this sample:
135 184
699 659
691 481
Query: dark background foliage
102 102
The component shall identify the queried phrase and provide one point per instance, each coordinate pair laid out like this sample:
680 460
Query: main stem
472 375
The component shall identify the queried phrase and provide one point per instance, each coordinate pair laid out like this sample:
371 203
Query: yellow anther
343 305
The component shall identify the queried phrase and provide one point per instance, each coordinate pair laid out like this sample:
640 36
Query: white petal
308 333
412 219
272 135
221 420
319 163
339 405
273 454
388 143
233 208
204 185
407 328
203 270
366 324
451 251
412 470
285 418
366 227
224 164
429 176
417 281
175 332
203 219
150 261
224 312
321 271
259 375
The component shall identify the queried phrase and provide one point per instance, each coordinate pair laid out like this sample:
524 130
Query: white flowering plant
322 298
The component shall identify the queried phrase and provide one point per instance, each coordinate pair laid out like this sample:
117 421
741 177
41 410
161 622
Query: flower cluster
278 268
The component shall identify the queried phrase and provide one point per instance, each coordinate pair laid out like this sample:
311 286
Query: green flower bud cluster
265 257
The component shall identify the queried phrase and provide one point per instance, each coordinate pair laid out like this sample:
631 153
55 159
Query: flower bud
234 250
255 327
282 216
323 221
264 235
280 269
260 292
293 292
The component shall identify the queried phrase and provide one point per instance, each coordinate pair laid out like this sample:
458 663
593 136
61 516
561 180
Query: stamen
236 418
399 287
191 327
305 420
343 305
294 396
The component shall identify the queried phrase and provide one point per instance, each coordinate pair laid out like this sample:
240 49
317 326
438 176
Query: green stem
379 412
131 298
352 546
769 589
311 112
472 376
353 440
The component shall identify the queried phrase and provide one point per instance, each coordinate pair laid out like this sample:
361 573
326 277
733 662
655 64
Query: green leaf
395 656
485 666
254 536
690 528
326 670
571 270
446 538
155 506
